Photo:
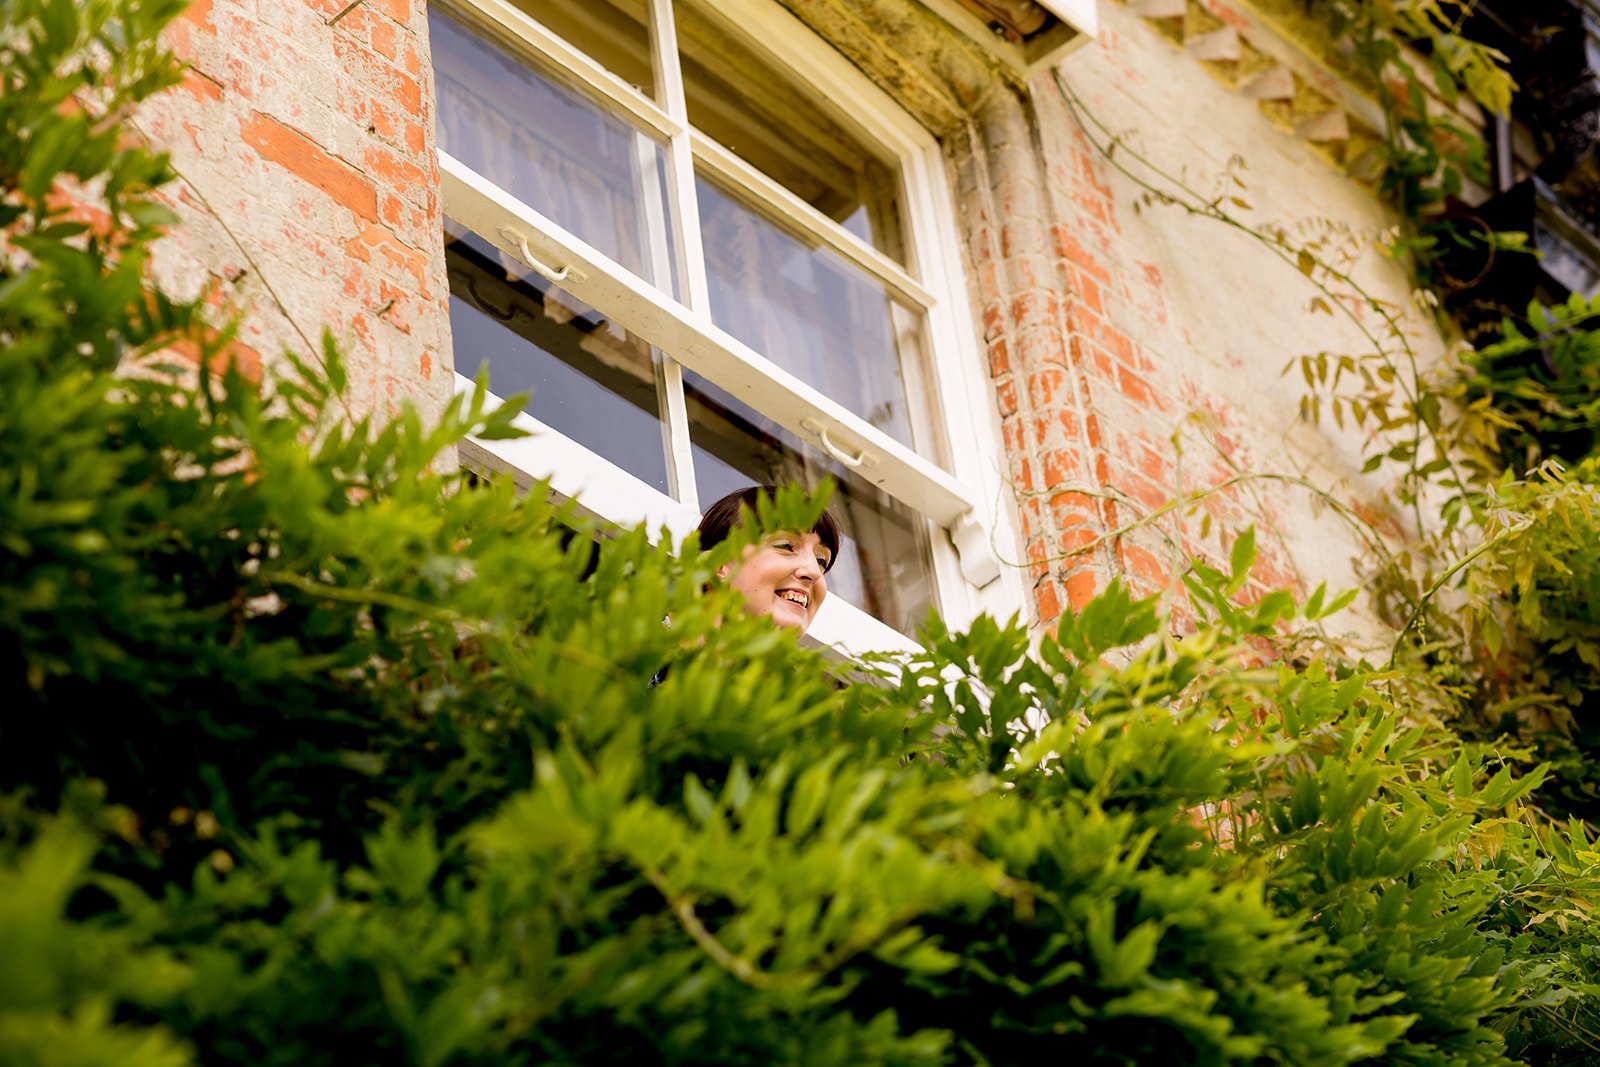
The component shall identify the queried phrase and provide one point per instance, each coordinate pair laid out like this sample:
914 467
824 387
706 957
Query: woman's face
782 577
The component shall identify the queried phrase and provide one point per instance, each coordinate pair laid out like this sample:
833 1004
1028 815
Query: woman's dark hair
721 518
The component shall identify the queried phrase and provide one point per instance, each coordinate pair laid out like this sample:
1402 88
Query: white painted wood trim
695 341
683 223
968 399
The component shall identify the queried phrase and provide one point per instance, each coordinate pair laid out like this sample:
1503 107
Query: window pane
614 33
740 101
883 566
591 380
816 315
554 149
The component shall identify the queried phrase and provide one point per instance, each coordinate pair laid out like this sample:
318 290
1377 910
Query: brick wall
1136 350
309 192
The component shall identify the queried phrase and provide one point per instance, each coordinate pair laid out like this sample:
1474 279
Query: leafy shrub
313 751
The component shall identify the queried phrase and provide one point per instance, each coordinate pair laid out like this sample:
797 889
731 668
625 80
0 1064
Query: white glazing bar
655 223
684 218
503 19
813 224
700 345
680 160
675 430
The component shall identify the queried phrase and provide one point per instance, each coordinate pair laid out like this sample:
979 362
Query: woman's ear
722 571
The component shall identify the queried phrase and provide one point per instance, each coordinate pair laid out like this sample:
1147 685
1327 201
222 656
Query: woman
784 575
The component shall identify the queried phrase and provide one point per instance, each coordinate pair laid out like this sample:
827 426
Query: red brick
1137 389
200 87
383 122
1040 344
1072 509
393 209
1077 541
1011 430
1039 558
385 39
999 357
1048 601
236 353
1120 347
1060 467
405 88
1055 427
1025 475
1151 494
375 244
354 21
394 171
1155 467
1080 589
1142 565
1068 247
301 156
1035 307
1087 291
1044 384
198 14
1006 397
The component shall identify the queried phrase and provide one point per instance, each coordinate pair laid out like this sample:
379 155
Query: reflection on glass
816 315
787 132
614 33
553 149
591 380
883 565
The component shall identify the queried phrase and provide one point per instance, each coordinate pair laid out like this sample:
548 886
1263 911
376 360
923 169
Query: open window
712 273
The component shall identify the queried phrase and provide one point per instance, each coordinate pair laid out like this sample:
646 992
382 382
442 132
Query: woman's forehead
792 535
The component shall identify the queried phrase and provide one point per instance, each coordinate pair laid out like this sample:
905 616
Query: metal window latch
820 428
554 274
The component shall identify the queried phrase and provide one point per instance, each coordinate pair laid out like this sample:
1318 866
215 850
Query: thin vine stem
1438 583
1110 145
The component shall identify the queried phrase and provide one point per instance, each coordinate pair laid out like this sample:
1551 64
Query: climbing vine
1493 590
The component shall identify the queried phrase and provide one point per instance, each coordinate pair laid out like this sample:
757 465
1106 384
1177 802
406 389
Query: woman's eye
784 545
822 561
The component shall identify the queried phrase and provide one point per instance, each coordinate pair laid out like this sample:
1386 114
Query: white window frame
965 502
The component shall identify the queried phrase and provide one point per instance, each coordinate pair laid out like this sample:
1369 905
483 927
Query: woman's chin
790 616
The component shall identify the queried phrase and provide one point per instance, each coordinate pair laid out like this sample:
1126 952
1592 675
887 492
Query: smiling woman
784 575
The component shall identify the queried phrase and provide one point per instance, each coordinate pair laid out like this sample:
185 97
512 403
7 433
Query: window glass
813 313
554 149
883 566
613 33
591 380
738 100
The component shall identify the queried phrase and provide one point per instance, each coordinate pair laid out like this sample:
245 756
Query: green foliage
1493 592
312 750
1417 62
1540 387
